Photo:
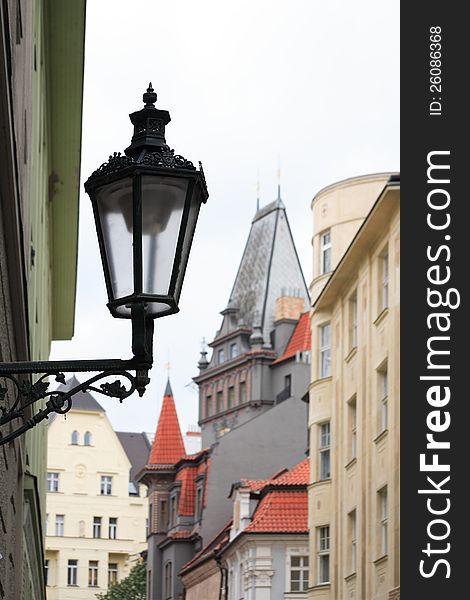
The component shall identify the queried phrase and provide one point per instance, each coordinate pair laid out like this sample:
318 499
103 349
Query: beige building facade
354 408
96 512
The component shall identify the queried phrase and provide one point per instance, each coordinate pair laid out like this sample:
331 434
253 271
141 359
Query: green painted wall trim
65 35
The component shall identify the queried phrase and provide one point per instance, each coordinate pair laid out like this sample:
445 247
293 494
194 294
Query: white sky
316 83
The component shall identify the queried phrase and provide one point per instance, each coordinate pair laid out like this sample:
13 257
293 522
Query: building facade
251 414
97 512
354 410
262 552
41 83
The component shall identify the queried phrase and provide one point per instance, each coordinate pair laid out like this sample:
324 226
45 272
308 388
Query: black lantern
146 204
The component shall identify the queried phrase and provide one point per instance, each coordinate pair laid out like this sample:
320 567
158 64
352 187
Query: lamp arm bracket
26 394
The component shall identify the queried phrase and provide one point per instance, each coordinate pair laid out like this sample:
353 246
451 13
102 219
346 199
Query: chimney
289 307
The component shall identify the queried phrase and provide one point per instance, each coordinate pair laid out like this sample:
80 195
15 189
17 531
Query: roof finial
278 177
257 191
150 97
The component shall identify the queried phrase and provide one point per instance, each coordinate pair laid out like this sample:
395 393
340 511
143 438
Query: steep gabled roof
137 447
168 446
300 340
269 269
81 400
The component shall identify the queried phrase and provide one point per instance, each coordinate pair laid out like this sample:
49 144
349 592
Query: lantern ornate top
149 97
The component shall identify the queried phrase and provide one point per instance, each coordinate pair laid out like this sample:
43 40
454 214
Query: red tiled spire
168 446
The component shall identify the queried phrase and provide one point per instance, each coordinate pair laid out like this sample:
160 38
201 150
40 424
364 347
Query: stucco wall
256 450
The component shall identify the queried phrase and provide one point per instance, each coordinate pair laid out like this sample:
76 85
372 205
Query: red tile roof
255 485
187 503
168 446
298 475
282 511
300 340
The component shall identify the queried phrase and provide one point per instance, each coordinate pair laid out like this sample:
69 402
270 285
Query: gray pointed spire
168 390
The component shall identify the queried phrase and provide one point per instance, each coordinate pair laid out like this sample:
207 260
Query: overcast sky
245 82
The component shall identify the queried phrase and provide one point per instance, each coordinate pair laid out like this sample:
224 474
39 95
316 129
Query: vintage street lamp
145 204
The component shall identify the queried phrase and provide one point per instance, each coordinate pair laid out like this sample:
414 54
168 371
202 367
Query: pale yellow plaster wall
79 499
356 481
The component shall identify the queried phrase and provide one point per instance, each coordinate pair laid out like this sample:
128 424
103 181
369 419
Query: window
352 540
352 428
298 573
87 438
242 393
46 571
325 266
221 356
168 581
233 350
112 529
324 451
93 573
112 574
52 482
74 438
353 321
59 525
208 406
173 508
199 495
231 397
72 567
323 554
288 385
106 485
241 582
163 515
96 527
383 398
47 524
325 350
220 402
385 280
383 520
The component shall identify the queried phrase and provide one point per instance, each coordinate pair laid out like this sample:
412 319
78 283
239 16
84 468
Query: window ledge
320 586
319 482
351 576
381 559
382 435
351 355
381 316
352 462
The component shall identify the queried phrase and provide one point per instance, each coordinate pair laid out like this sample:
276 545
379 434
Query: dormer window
233 350
221 356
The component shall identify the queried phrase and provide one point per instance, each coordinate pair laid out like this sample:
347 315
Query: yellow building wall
356 481
79 499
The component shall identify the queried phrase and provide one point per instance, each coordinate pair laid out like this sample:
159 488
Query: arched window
74 438
87 438
168 595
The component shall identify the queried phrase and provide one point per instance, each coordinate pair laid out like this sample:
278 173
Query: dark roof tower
269 268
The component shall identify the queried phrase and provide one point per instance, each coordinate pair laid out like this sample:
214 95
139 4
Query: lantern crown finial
149 97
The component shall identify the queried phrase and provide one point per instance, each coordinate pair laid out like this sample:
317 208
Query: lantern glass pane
114 201
188 238
163 201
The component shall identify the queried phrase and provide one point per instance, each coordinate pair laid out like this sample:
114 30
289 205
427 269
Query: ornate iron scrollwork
59 400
